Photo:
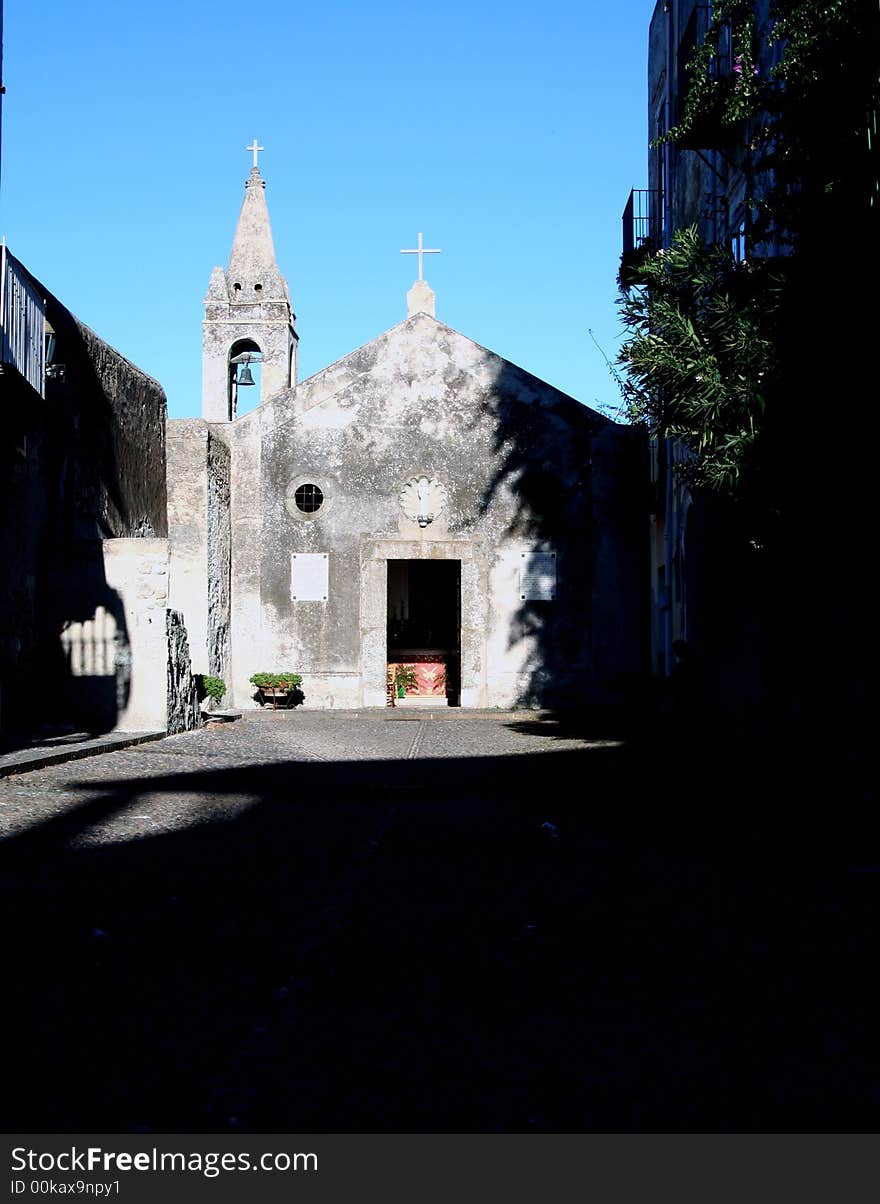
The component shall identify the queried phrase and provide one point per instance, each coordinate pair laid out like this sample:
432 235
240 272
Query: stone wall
188 531
516 461
199 503
129 497
219 553
183 708
80 468
247 655
710 185
136 572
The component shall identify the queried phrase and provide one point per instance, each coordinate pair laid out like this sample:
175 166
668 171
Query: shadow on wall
576 482
96 649
85 463
726 587
62 625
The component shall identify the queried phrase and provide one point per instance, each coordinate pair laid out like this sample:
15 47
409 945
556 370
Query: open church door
424 631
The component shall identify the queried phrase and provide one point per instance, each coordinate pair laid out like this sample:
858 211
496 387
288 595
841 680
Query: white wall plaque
309 576
537 577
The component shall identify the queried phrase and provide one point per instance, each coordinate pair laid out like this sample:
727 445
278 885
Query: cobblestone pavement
378 921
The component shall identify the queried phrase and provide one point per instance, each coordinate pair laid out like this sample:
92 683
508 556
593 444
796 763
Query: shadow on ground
539 942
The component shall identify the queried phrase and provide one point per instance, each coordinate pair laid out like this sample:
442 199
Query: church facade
421 508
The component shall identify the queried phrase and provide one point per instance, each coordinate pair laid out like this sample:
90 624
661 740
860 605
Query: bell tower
249 327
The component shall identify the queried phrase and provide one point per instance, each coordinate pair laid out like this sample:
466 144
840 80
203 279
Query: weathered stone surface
188 531
83 465
511 458
420 446
183 707
420 299
247 307
141 669
219 550
130 498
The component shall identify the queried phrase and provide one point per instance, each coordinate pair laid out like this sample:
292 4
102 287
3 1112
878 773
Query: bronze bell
245 378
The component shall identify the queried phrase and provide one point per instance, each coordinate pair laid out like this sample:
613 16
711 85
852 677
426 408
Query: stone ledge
219 717
23 760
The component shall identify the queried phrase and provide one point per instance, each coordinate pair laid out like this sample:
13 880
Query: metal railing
642 220
22 322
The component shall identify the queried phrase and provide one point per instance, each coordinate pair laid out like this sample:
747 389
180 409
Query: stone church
420 503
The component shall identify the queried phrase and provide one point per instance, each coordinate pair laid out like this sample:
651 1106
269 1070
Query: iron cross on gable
256 149
420 251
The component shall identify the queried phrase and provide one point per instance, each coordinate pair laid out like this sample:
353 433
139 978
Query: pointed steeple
248 316
252 274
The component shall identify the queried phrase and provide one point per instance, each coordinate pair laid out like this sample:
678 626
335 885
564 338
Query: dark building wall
115 414
84 463
1 88
715 592
706 184
701 590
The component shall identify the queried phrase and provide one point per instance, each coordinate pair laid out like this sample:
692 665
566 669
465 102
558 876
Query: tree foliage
280 681
798 100
701 355
724 97
716 354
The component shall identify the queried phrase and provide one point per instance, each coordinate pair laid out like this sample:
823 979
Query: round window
309 498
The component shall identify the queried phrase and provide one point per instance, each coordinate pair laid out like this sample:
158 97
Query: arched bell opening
244 377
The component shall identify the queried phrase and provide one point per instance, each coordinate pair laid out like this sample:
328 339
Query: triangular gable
469 357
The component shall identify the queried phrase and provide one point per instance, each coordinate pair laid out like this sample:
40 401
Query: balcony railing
642 221
22 323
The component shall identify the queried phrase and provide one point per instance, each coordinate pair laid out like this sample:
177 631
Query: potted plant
281 687
405 679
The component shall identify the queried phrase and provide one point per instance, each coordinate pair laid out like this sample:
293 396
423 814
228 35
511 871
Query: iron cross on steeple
420 251
256 149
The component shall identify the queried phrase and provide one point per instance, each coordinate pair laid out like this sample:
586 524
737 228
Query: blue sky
509 133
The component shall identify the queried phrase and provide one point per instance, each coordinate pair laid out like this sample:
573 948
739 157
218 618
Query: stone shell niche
423 499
